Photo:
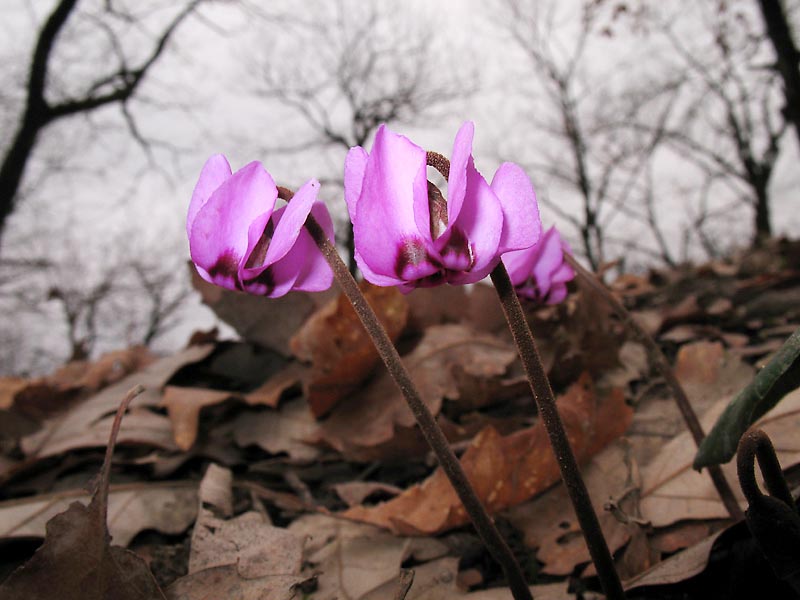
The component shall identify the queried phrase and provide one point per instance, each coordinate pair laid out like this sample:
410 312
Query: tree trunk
762 229
788 57
13 167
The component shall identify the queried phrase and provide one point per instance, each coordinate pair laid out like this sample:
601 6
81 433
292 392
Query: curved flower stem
545 402
427 423
661 363
756 444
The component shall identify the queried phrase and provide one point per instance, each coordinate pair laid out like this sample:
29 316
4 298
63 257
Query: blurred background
654 135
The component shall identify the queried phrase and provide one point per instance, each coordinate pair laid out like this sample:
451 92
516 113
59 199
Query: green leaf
773 382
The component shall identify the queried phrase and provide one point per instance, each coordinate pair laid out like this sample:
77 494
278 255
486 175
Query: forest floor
287 465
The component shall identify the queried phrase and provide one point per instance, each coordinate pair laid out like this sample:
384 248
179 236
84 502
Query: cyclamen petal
409 236
238 240
539 272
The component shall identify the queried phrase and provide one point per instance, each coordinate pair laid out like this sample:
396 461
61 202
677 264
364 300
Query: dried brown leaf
362 562
87 424
448 360
291 429
548 522
183 406
244 557
672 491
167 507
505 470
76 560
340 351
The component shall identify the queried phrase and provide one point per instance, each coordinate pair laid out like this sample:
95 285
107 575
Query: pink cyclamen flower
539 273
238 240
409 238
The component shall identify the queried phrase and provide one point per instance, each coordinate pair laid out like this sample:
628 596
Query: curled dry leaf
291 429
45 397
448 360
87 425
673 491
76 560
548 522
505 470
184 404
166 507
341 353
362 562
242 557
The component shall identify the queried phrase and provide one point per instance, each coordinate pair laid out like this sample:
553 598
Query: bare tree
788 57
584 147
731 124
47 101
349 66
72 309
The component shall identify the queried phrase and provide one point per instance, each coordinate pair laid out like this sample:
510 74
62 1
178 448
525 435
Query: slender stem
545 402
427 423
756 444
661 363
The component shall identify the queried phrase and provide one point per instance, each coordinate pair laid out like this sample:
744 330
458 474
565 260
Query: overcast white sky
204 104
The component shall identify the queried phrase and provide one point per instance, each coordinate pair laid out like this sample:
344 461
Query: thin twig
661 363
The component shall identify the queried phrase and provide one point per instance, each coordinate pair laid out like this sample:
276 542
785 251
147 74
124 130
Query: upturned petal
227 226
393 199
315 273
539 272
522 226
354 166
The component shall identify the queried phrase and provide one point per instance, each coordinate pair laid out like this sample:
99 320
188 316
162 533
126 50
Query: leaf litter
288 449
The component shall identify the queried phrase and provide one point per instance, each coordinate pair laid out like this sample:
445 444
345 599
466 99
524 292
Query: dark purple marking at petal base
412 253
227 266
458 249
266 279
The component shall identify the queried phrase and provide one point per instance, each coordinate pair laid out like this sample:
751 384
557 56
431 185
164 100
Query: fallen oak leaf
76 560
446 360
86 424
773 382
336 344
505 470
291 429
673 491
548 521
243 557
361 562
183 406
168 507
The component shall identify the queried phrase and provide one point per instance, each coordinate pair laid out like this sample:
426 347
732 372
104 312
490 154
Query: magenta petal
272 279
290 225
562 274
394 195
215 171
557 294
480 222
316 275
459 160
519 264
550 258
354 166
521 224
223 232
